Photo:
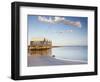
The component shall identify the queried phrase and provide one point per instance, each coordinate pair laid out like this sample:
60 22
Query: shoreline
69 46
41 48
72 60
50 61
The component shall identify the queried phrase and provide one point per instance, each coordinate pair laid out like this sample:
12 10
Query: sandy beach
50 61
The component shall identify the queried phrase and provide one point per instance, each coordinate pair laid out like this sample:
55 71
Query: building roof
39 39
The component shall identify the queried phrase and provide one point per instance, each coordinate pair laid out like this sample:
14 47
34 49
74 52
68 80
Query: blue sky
60 32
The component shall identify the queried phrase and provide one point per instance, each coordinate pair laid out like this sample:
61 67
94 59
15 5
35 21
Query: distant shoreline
54 47
68 46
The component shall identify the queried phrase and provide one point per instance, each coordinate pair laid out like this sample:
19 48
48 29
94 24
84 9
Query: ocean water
71 53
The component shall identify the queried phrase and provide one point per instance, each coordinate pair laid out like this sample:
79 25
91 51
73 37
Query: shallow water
71 53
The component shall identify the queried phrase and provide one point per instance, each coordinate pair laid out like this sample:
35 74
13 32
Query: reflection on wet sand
44 57
45 52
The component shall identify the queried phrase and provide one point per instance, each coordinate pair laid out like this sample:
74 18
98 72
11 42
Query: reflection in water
45 52
70 52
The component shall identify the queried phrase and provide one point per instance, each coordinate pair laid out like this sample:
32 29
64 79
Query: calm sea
71 53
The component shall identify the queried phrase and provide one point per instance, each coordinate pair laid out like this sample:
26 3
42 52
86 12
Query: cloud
50 19
44 19
56 19
66 31
71 23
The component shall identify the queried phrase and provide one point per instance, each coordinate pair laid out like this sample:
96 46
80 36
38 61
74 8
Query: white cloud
56 19
50 19
72 23
44 19
65 31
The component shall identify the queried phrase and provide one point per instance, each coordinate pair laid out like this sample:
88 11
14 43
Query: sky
61 30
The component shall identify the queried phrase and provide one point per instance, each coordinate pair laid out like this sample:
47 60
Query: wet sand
50 61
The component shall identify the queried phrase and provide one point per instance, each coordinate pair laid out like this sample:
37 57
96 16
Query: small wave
71 60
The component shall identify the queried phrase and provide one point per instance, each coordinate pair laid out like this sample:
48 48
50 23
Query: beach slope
50 61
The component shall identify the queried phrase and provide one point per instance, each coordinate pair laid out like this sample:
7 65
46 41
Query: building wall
40 43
